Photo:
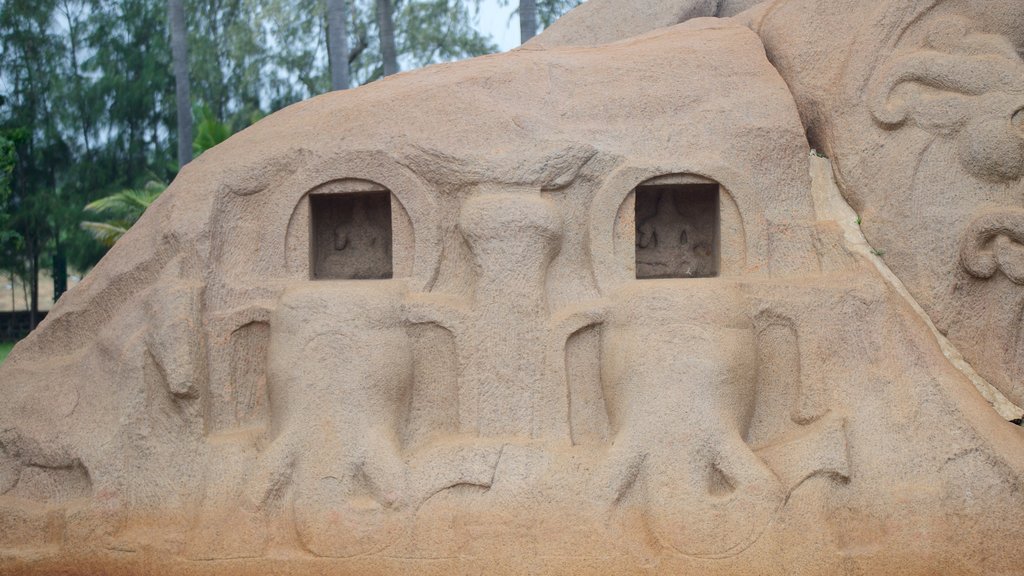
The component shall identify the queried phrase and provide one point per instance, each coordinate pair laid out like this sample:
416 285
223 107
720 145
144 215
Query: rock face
566 310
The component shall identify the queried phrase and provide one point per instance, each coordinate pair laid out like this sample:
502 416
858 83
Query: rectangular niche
351 236
677 231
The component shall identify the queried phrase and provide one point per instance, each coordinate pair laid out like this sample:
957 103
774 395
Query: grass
5 349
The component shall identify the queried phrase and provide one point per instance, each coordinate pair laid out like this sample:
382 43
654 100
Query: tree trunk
83 115
387 36
179 53
33 308
24 290
527 20
60 273
12 328
337 43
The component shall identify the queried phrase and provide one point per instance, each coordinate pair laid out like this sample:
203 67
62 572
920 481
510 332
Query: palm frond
112 203
129 201
209 131
154 188
105 233
120 211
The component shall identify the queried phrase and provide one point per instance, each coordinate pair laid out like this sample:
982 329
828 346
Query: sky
494 20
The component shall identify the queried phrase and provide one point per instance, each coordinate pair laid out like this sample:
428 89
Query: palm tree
337 43
210 131
182 87
386 24
122 209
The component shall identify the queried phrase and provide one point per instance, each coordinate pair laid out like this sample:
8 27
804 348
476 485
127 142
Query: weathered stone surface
267 375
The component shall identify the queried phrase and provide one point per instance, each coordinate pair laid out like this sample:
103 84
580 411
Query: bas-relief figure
575 309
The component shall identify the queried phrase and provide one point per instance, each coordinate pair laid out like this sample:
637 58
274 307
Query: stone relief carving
702 489
925 132
994 242
666 445
518 395
963 85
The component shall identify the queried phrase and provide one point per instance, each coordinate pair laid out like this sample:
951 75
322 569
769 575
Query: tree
425 31
337 43
209 132
9 248
122 210
527 20
32 58
128 72
7 161
550 10
134 82
231 54
90 102
544 12
183 98
386 29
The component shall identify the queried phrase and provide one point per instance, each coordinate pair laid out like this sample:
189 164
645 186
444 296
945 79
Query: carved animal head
921 107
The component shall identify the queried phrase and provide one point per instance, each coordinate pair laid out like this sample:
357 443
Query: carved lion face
922 112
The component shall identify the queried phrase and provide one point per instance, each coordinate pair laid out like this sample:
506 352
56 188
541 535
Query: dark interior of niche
351 236
677 231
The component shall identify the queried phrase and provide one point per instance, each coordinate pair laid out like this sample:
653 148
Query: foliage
32 65
439 31
87 98
5 349
426 31
7 160
209 132
549 10
122 210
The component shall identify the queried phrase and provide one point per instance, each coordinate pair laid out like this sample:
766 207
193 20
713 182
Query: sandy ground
19 292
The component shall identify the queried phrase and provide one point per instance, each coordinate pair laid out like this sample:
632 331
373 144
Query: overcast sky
494 20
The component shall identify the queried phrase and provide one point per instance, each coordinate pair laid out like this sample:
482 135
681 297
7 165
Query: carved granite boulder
588 310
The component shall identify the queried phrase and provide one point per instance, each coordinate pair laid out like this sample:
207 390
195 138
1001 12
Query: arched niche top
348 186
415 231
677 180
350 229
614 234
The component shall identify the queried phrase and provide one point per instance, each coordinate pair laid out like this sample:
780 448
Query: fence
16 325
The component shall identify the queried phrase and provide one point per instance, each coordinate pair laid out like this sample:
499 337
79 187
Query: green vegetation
122 210
5 349
90 100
